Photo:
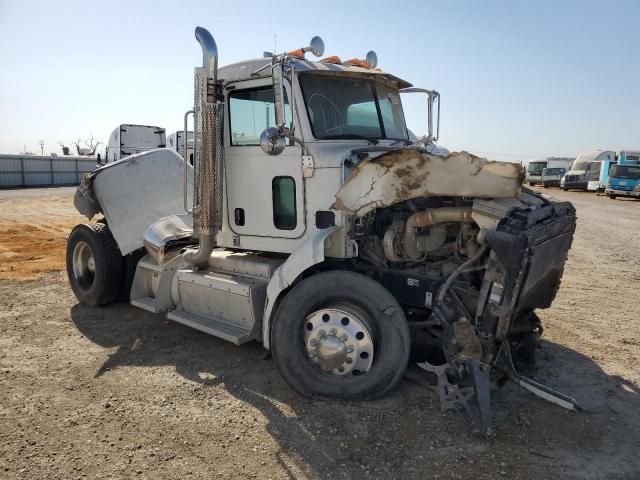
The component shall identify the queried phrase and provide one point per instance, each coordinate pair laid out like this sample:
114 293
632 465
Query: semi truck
624 178
311 223
585 169
176 142
551 177
129 139
535 168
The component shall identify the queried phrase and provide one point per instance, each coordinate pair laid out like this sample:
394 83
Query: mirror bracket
433 103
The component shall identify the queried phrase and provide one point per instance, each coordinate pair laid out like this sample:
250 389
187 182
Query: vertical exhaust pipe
208 152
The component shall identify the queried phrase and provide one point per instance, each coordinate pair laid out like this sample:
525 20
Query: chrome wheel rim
338 341
84 265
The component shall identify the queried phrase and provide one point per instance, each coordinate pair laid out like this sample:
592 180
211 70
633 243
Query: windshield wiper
353 136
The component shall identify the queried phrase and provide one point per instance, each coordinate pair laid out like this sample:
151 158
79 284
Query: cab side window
250 113
283 190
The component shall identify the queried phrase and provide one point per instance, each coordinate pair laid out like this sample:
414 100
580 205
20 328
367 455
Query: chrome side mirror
433 109
278 94
272 142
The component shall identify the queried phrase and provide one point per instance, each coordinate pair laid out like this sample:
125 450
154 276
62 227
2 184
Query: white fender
310 253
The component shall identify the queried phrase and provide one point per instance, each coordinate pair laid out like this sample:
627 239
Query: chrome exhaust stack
208 161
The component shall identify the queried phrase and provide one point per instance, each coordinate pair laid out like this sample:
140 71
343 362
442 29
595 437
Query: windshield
584 166
350 107
536 167
553 171
625 171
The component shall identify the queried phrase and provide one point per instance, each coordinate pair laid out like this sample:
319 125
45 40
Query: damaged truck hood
407 173
134 193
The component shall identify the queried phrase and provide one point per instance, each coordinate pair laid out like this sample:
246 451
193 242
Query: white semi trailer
311 223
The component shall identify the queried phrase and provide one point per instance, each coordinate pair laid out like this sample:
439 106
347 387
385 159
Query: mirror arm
305 150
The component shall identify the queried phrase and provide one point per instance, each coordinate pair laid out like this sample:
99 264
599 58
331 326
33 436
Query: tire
612 197
565 189
92 247
545 185
365 302
531 184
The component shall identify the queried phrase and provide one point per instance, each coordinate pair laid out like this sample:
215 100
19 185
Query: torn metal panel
406 173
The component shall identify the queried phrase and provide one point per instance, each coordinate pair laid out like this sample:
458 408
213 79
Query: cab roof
243 70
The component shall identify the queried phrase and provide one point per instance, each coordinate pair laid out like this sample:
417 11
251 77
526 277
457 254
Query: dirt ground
120 393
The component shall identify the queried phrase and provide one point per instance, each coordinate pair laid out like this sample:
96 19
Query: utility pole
41 143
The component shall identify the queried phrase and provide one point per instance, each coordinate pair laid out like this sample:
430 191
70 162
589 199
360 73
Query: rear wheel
94 264
612 197
340 334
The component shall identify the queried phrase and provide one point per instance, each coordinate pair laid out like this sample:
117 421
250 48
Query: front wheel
340 334
612 197
94 265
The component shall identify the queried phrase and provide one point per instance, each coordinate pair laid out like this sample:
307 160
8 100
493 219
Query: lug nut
322 334
344 337
349 349
313 342
333 331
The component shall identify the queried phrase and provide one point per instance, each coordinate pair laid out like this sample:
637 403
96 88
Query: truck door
265 194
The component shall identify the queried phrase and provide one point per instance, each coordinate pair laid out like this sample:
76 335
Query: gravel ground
117 392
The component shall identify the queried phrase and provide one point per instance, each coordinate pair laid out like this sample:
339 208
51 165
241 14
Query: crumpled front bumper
623 193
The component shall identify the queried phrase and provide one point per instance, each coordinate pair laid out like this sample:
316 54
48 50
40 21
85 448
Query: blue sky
519 80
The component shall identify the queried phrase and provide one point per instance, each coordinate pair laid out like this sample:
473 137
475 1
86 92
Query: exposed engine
471 291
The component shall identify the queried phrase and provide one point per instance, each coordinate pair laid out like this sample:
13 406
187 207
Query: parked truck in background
535 168
624 178
129 139
551 176
602 168
311 223
176 142
586 168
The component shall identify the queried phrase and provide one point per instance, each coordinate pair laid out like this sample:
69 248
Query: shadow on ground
404 434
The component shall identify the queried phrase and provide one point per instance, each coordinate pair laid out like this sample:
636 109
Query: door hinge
308 166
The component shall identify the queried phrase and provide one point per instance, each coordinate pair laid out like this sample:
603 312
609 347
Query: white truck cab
129 139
